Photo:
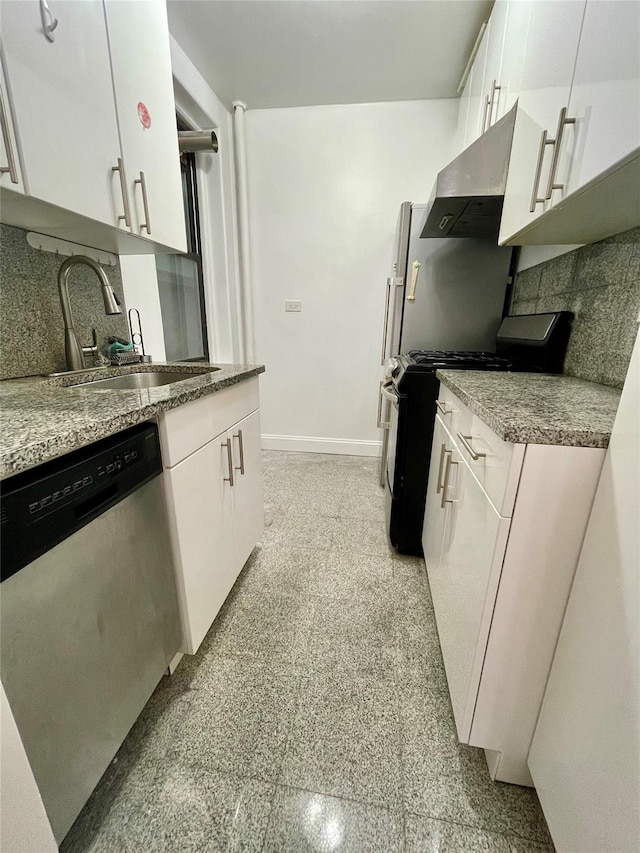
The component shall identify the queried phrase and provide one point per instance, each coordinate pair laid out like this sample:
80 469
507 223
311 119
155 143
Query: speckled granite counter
536 408
41 418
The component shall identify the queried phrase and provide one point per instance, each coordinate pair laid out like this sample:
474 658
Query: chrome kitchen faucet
74 353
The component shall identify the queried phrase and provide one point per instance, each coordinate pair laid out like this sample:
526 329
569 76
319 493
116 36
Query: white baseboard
310 444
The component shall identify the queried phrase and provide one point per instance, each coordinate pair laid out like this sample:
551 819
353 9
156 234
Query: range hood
468 194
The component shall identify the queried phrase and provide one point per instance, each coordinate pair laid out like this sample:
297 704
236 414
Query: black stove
533 343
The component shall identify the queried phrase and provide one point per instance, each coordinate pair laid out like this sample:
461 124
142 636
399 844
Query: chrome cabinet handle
447 471
386 323
544 141
442 408
381 424
487 101
563 121
240 467
11 167
49 23
229 479
443 451
126 216
388 395
145 203
494 88
465 441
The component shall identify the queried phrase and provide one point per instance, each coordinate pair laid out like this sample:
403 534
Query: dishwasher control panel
44 505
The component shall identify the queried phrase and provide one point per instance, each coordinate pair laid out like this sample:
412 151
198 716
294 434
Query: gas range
418 362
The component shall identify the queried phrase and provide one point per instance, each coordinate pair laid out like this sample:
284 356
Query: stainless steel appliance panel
87 631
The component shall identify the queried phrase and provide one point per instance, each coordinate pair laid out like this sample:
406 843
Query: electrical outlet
292 305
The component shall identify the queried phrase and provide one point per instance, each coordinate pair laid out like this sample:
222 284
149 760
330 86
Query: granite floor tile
282 570
345 739
307 822
353 635
273 627
354 577
322 502
361 536
449 781
368 505
425 835
181 808
304 531
240 721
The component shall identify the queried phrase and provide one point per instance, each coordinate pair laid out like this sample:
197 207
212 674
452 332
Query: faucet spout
72 348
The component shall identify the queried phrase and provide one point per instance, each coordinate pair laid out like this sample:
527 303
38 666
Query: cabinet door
247 493
511 64
10 171
605 96
62 96
464 585
477 99
495 43
549 62
434 514
141 64
201 518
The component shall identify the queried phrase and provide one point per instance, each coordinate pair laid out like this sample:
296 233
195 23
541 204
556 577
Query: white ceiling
287 53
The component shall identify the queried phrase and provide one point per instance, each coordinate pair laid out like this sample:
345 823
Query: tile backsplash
31 326
600 283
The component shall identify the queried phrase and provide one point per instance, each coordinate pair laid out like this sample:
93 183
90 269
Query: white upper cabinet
61 93
514 17
463 113
141 65
549 61
491 78
605 96
10 171
477 101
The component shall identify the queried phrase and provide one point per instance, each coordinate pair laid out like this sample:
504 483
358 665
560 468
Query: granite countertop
537 408
44 418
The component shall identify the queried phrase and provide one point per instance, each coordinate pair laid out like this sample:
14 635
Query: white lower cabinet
215 502
501 538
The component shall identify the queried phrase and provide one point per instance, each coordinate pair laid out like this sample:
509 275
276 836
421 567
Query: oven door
389 394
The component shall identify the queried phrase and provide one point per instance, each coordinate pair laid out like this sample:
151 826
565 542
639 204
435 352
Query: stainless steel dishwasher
88 608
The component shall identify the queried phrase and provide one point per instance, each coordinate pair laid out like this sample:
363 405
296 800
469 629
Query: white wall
325 186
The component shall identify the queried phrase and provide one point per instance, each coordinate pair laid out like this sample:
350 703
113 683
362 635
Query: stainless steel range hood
468 194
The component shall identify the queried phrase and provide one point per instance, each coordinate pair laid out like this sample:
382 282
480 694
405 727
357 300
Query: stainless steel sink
147 379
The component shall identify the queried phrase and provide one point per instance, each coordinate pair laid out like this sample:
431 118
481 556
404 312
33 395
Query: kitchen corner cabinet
503 528
143 86
575 157
77 80
213 480
10 169
62 97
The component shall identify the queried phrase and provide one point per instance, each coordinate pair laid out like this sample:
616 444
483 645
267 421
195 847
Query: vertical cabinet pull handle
563 121
229 479
443 451
492 102
49 23
442 408
240 467
487 101
145 203
381 424
535 199
383 353
445 486
11 167
126 216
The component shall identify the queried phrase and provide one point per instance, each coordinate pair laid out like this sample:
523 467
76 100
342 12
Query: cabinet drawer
454 414
496 464
189 427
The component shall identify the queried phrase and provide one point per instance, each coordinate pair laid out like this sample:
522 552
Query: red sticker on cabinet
144 115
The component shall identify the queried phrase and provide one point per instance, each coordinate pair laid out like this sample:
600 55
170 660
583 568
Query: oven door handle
381 424
391 396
